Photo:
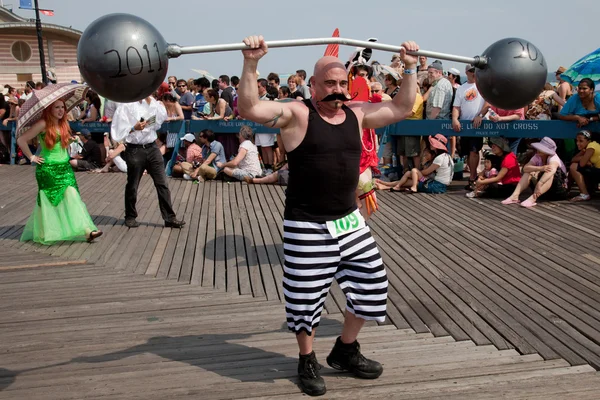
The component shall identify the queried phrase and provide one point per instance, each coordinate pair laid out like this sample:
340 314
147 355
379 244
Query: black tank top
324 169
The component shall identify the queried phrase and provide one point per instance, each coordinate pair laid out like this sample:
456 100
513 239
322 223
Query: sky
463 27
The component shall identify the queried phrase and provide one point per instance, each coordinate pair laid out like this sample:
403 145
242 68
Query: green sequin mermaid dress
60 214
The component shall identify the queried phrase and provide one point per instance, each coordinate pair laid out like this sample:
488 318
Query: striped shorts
313 258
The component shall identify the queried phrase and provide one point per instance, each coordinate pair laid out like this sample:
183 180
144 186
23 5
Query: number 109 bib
348 224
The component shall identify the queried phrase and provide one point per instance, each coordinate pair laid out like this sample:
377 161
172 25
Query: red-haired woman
59 214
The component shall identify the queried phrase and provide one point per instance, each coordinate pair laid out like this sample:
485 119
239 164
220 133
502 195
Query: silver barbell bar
174 50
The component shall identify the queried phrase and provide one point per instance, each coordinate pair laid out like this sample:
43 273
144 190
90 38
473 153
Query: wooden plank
244 247
187 201
526 316
174 234
199 258
208 273
156 224
156 259
187 262
121 254
263 275
220 258
230 255
262 220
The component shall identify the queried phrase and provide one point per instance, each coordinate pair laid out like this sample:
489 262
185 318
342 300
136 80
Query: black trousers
139 159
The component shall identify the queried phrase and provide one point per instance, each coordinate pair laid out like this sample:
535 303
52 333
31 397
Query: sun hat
439 142
546 146
500 142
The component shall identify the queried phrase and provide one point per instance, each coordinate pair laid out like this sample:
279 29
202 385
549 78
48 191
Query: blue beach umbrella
586 67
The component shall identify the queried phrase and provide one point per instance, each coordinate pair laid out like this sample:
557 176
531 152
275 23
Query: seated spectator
491 164
583 108
114 161
545 174
90 157
212 154
435 178
193 157
246 163
585 166
503 184
426 159
280 177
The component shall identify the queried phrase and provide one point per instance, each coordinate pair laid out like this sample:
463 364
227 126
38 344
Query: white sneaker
187 177
471 195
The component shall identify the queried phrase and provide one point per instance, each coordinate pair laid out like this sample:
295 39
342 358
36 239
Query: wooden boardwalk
486 301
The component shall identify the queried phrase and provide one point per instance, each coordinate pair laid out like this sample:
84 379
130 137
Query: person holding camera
135 124
193 157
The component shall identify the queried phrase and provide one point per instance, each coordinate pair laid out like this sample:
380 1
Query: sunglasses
181 85
376 90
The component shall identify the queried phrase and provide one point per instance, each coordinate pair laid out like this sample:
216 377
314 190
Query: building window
21 51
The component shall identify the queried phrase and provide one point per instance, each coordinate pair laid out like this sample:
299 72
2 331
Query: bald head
327 63
330 78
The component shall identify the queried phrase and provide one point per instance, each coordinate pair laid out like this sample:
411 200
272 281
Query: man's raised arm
377 115
269 113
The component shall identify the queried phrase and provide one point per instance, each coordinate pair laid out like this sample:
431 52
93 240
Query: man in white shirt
29 86
135 124
468 104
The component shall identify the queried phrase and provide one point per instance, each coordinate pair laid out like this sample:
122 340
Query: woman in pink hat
545 174
503 184
433 179
59 213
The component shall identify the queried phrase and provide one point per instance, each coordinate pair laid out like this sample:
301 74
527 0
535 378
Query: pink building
19 52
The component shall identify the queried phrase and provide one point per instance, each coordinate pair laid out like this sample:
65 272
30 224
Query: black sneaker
347 357
131 223
174 224
311 382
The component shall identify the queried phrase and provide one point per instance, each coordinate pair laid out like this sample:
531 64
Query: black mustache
338 96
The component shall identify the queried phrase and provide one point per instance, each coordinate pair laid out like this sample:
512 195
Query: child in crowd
426 159
490 170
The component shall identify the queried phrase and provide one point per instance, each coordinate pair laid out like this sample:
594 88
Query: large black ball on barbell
122 57
515 74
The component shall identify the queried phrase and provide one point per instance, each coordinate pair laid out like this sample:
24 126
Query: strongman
325 235
135 124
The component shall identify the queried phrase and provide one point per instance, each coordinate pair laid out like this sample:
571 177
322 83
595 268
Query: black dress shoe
131 223
347 357
310 379
174 224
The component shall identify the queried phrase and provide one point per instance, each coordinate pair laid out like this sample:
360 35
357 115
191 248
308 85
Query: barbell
125 58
